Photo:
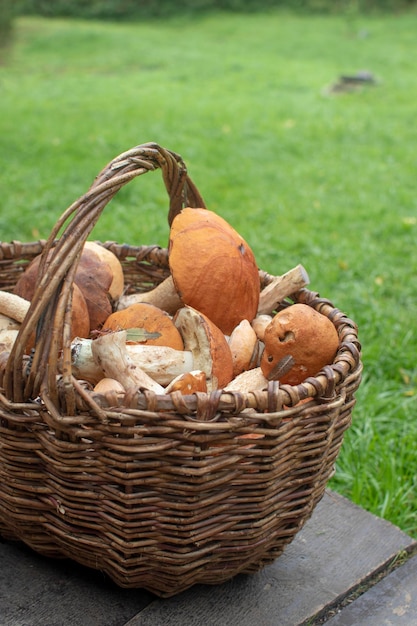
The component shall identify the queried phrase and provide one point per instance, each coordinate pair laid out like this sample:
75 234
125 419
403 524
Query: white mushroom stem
259 323
161 363
82 362
13 306
7 323
244 346
164 296
281 287
248 381
110 353
7 339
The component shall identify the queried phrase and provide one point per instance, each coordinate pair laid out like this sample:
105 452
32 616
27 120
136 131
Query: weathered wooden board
36 591
391 602
338 548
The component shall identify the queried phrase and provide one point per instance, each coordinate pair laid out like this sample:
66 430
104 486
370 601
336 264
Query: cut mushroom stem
7 339
281 287
164 296
250 380
82 362
7 323
161 364
110 354
13 306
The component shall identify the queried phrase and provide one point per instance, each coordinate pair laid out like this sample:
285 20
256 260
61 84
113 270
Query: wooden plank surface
391 602
338 548
37 591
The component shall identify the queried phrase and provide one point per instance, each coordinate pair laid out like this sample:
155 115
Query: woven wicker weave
161 492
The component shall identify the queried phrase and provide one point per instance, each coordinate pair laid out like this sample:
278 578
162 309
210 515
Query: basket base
341 547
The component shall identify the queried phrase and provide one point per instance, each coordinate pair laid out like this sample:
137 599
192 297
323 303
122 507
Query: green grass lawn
307 177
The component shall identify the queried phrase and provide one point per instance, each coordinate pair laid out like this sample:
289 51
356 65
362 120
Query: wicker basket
161 492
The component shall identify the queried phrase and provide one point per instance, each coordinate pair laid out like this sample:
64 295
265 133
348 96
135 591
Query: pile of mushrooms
208 326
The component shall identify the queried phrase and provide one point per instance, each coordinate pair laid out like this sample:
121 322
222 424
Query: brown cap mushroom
208 345
213 268
150 318
94 278
107 256
80 320
303 335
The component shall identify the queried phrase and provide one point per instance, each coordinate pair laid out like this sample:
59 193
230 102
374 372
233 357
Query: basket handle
49 315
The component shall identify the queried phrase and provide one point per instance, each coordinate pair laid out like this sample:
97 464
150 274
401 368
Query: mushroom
25 288
150 318
94 278
244 346
299 342
7 323
110 354
213 268
208 345
188 383
281 287
109 385
161 363
250 380
107 256
164 296
7 339
259 323
206 349
14 306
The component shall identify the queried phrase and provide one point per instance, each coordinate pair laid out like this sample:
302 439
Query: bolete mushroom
206 349
94 278
110 354
7 323
107 256
164 296
7 339
281 287
259 323
25 288
299 342
188 383
150 318
245 348
14 306
208 345
250 380
213 268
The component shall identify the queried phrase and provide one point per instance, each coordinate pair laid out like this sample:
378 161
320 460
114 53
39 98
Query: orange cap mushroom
150 318
213 268
302 335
